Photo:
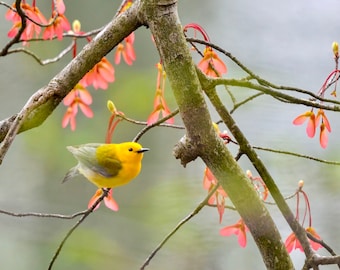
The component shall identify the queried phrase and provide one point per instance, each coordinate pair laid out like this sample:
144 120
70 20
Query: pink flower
80 97
127 50
239 229
311 126
324 127
108 200
313 244
100 75
70 117
293 243
57 28
211 64
60 6
209 182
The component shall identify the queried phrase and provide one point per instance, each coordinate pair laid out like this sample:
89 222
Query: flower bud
111 107
76 26
335 48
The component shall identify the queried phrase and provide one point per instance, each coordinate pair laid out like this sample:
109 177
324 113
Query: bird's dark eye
130 149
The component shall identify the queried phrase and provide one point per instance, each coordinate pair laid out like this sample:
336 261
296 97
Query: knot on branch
185 150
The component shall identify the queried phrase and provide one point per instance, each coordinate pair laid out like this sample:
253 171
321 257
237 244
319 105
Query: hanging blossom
126 49
32 28
159 104
210 64
309 116
58 22
292 242
312 123
209 183
80 97
109 201
240 229
100 75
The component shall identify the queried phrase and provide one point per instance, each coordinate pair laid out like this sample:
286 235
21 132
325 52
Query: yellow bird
107 165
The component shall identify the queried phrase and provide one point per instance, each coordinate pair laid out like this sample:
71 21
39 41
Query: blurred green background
288 43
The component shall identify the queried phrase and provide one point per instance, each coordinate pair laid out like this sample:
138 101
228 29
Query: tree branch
45 100
201 137
246 148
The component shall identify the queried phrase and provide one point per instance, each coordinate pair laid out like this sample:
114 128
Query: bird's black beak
143 150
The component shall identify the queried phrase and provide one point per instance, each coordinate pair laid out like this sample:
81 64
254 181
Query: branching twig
179 225
212 82
265 85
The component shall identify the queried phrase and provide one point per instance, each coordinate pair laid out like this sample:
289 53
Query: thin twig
43 215
179 225
75 226
241 103
160 123
321 242
297 155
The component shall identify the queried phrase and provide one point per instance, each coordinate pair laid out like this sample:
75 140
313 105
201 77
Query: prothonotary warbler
107 165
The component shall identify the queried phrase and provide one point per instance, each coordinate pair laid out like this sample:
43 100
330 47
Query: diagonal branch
45 100
246 148
201 139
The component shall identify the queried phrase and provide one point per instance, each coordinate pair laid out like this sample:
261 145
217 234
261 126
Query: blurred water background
286 42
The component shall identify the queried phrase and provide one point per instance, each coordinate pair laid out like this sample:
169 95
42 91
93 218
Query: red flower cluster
313 122
55 26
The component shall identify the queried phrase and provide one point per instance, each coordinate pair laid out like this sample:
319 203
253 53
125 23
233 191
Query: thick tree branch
201 137
45 100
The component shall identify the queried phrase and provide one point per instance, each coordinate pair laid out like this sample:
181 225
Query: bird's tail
70 174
